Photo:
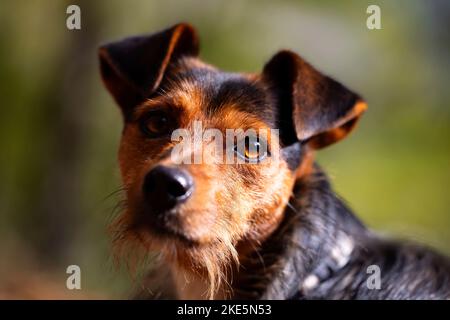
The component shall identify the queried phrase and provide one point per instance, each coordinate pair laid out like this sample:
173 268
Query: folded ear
133 68
321 110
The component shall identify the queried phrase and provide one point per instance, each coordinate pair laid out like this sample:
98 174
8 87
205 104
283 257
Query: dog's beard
138 249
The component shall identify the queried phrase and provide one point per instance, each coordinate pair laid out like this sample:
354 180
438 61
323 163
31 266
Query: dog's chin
170 226
176 236
159 233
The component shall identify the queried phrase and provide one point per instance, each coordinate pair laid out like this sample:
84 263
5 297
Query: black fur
303 243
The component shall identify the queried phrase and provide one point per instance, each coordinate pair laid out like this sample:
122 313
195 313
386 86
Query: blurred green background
59 128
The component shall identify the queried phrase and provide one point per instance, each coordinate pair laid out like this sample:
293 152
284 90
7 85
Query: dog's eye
252 150
156 124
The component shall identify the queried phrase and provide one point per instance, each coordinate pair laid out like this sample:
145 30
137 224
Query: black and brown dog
275 230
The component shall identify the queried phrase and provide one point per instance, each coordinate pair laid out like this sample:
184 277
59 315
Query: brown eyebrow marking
231 117
149 104
177 94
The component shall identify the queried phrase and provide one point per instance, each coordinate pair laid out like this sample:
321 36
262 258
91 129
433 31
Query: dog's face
198 203
198 208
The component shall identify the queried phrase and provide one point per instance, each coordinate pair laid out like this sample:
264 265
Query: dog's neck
317 229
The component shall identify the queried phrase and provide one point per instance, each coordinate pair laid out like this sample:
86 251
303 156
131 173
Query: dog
270 229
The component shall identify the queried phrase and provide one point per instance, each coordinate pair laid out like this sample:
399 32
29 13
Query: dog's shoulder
330 254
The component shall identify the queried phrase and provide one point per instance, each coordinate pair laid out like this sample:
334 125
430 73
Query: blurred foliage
59 128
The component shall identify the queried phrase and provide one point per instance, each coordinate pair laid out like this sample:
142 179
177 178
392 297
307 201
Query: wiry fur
248 231
137 248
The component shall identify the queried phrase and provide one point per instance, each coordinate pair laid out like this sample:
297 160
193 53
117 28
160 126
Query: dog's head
197 204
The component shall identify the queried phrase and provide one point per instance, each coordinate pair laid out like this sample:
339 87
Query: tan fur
223 210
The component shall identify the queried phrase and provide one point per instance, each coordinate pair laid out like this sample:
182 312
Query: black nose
165 187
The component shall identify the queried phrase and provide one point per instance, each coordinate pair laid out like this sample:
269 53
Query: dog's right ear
132 69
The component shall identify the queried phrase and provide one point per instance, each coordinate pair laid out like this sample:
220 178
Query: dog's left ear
321 110
133 68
